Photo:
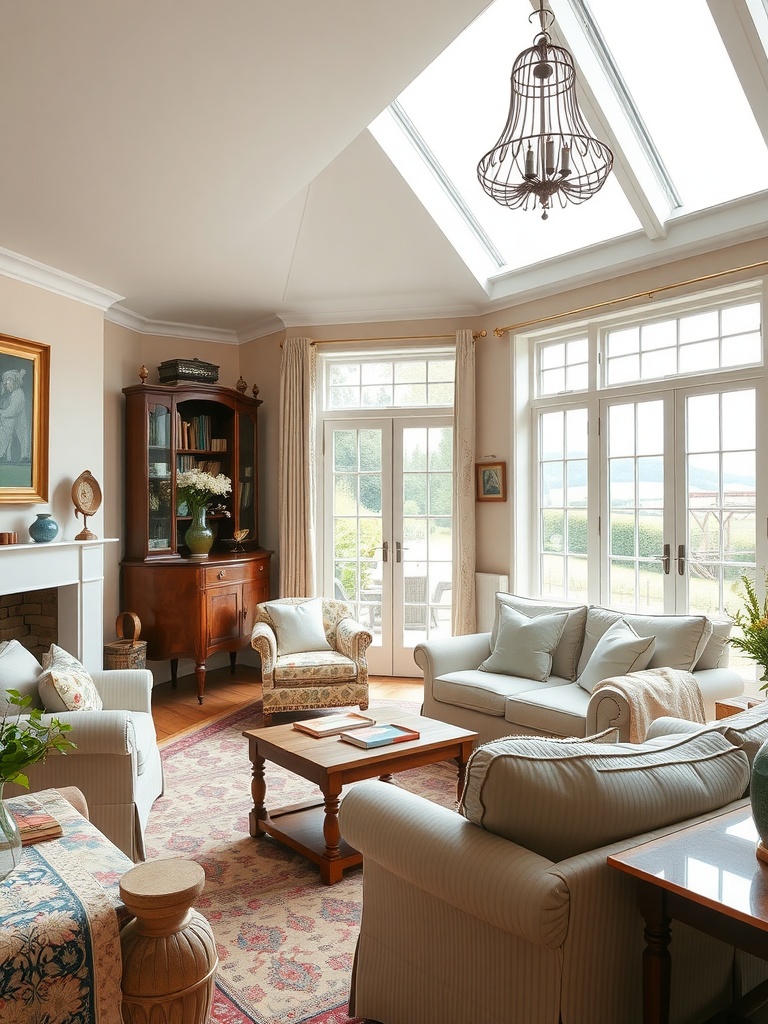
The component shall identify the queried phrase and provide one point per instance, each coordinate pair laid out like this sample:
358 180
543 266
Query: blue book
379 735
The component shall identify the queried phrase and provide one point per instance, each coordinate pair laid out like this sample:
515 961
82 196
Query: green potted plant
23 742
753 621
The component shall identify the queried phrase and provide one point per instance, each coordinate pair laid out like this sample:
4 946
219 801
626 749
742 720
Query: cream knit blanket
655 692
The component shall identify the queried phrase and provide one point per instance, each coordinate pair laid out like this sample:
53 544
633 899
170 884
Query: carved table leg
330 872
200 678
258 793
175 939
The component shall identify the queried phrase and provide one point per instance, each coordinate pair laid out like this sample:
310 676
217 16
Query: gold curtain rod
499 331
410 337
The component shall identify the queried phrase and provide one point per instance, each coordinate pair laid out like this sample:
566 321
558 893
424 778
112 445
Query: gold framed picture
491 479
25 368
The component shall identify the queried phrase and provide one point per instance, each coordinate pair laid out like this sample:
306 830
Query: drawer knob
220 574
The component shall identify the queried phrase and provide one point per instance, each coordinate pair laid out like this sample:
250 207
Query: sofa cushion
314 669
558 711
19 670
485 691
716 646
566 656
618 651
560 799
680 639
65 684
299 627
524 645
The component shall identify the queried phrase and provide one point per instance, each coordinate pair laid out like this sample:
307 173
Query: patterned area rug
285 940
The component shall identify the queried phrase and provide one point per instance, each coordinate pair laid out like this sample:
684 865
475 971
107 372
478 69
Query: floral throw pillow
65 685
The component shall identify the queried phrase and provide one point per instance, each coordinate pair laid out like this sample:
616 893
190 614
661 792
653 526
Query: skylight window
681 102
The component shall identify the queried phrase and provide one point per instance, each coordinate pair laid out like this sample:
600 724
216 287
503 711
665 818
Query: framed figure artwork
24 398
491 481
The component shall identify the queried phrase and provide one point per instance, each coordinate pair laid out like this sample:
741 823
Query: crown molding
308 318
22 268
168 329
261 328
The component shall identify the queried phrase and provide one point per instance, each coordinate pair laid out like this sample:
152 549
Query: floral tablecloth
60 917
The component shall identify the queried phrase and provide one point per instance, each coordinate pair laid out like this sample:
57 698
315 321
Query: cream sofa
116 761
508 912
503 703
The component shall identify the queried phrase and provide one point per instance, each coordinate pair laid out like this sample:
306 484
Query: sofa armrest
125 689
440 852
264 641
96 732
353 640
455 654
667 726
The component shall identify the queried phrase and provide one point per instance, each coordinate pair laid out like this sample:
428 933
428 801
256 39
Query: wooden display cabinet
191 607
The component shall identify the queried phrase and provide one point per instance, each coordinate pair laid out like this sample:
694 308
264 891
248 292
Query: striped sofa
507 912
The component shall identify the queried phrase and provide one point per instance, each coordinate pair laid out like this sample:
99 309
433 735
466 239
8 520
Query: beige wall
75 333
92 360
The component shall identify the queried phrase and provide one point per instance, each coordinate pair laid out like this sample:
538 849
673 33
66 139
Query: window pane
704 355
552 381
410 373
704 481
662 363
743 349
410 394
552 435
703 423
376 373
736 319
576 433
622 370
699 326
738 420
659 335
622 343
552 484
621 425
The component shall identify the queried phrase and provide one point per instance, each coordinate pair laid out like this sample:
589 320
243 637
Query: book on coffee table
35 823
379 735
332 725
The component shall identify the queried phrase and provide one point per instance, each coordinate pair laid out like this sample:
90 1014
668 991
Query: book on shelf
332 725
379 736
35 823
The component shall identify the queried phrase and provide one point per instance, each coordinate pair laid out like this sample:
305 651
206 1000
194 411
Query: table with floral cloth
60 919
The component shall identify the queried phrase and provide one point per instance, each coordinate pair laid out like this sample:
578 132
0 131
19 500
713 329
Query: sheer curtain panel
296 531
463 589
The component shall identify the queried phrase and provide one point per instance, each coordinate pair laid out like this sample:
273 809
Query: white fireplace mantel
76 569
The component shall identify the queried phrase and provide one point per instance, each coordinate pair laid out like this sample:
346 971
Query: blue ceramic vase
44 528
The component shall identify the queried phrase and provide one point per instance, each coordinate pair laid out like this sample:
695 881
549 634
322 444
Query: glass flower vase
10 839
199 535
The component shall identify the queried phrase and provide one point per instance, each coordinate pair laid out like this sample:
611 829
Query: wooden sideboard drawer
216 574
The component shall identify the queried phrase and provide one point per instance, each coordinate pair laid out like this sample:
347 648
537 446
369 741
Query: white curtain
296 529
463 589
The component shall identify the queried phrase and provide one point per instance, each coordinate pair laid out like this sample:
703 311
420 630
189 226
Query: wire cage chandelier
545 149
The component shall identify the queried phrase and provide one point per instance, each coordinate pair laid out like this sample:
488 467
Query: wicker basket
126 652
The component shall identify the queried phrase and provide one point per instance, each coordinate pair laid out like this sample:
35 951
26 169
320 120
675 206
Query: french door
387 544
678 509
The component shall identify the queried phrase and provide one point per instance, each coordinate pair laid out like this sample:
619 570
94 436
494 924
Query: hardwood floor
177 711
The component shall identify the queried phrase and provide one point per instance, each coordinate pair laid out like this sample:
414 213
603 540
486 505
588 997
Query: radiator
486 586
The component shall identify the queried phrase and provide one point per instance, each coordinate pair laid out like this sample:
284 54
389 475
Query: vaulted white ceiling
210 164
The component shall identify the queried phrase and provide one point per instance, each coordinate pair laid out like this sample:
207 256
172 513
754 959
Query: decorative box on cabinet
191 608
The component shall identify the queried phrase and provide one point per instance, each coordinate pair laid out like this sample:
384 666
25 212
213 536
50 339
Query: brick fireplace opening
32 618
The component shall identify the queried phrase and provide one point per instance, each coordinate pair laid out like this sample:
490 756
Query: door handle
385 551
680 559
399 549
664 559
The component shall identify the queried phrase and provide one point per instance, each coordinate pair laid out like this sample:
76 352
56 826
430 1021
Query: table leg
331 872
657 963
258 792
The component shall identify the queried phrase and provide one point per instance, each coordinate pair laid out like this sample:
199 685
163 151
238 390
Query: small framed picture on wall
491 480
24 387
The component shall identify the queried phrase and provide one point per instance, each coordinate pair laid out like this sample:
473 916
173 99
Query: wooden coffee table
312 827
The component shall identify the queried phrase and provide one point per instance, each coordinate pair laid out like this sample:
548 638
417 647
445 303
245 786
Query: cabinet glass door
159 463
245 498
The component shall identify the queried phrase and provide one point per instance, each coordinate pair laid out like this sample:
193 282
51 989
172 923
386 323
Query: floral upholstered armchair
298 672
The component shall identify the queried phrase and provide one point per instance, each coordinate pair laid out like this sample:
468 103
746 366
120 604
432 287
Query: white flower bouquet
198 488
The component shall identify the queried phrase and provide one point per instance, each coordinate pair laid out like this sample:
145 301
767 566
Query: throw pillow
619 650
565 658
299 627
716 646
65 685
562 799
19 670
524 646
680 639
